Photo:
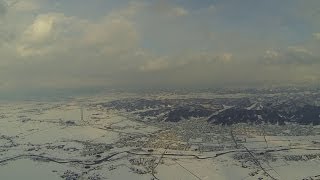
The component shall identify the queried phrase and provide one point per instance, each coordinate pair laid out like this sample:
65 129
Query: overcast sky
83 44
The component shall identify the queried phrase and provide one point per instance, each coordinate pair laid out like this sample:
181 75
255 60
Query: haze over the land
81 44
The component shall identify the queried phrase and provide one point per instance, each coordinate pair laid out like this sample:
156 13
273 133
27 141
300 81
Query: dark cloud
3 32
5 36
3 8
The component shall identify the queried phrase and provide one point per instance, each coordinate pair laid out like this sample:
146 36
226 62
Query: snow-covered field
50 140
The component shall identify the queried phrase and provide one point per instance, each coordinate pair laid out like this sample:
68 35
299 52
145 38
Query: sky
80 45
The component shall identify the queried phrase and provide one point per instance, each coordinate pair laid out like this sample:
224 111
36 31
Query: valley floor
51 141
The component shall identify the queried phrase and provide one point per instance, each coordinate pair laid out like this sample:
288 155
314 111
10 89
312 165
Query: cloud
187 59
40 37
112 36
26 6
271 54
155 65
316 36
42 27
205 57
299 50
293 55
145 44
128 12
225 57
179 11
55 50
168 9
3 8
